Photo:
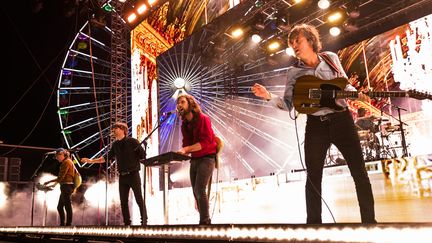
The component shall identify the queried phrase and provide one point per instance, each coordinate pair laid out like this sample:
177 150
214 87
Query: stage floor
399 197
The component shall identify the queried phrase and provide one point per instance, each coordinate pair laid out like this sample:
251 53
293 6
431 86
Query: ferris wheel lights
63 92
66 82
63 112
82 45
66 132
108 8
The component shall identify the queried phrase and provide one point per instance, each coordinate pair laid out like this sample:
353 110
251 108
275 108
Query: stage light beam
179 83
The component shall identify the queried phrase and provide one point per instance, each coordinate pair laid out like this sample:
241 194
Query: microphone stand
404 146
144 141
33 187
401 123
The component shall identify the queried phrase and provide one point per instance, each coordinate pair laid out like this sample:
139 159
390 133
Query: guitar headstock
419 95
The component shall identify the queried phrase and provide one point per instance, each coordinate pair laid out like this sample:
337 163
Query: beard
184 112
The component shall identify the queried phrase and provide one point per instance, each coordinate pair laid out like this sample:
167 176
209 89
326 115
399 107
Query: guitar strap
330 62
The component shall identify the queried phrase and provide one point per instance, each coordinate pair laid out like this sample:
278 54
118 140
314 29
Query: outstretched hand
260 91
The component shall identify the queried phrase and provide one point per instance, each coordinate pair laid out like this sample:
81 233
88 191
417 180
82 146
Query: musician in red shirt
199 141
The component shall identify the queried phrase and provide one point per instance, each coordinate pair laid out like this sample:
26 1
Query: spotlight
256 38
141 9
273 46
151 2
335 31
323 4
335 16
179 83
237 32
132 17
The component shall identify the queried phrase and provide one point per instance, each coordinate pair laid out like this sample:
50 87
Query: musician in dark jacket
325 126
127 152
199 141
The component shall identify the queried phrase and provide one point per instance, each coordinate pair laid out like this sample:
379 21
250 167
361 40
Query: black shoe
205 222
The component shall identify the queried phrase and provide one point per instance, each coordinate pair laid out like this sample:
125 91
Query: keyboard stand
163 160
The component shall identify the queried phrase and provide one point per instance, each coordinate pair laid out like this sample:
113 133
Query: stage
269 209
382 232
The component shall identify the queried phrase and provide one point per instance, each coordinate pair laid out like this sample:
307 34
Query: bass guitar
312 93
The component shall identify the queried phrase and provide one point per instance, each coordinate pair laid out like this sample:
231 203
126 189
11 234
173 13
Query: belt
205 156
123 173
328 117
66 183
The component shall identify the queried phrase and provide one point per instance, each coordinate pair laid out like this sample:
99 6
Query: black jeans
339 129
126 182
65 203
201 170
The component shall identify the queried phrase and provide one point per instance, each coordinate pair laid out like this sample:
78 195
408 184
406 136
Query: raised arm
94 161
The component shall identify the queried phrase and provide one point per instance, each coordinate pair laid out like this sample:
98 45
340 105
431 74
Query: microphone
69 150
167 113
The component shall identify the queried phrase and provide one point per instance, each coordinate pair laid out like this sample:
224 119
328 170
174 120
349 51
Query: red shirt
199 130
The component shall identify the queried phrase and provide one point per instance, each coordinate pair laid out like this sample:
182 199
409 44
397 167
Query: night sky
36 35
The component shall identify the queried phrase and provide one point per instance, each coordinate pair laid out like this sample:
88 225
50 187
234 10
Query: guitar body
306 104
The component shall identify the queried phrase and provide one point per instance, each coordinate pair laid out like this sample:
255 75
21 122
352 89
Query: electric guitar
312 93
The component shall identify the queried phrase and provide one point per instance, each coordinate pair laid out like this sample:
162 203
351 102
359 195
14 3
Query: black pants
201 170
126 182
65 203
339 129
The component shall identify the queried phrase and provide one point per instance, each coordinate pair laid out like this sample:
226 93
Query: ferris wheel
83 95
254 133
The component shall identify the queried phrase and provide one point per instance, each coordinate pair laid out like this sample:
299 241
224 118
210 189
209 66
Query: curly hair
309 32
123 126
193 104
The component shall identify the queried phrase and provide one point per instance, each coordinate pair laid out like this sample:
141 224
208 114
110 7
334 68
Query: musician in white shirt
325 126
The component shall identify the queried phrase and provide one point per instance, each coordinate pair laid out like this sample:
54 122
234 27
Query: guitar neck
372 94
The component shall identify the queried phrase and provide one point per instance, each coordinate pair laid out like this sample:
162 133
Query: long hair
309 32
193 104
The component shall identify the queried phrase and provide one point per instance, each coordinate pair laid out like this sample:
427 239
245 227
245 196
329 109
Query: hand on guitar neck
312 94
364 97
